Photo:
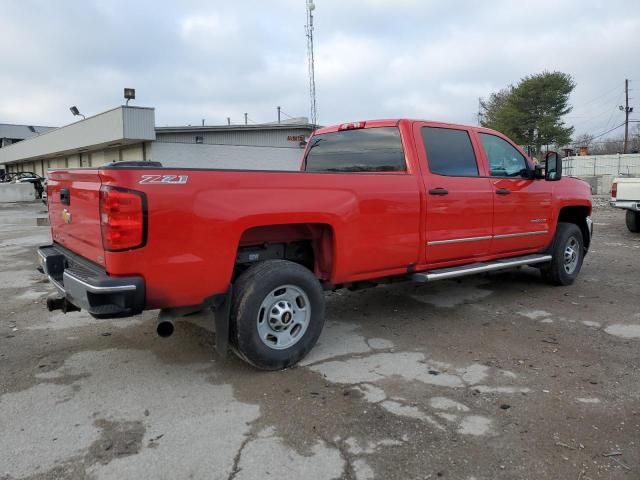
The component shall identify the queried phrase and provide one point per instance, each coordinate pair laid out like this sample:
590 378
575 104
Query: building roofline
227 128
118 128
24 125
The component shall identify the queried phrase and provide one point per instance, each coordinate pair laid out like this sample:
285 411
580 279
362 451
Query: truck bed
195 227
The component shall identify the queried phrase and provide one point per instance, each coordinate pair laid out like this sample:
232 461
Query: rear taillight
614 190
123 218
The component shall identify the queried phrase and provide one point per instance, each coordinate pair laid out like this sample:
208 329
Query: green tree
531 112
493 110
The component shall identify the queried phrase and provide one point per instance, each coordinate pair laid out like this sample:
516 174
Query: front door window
504 159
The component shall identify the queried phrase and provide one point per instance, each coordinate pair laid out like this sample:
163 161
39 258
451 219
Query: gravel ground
490 377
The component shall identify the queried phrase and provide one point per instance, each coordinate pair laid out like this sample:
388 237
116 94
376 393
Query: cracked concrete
478 378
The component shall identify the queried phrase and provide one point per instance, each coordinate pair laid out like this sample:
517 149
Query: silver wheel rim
283 317
571 255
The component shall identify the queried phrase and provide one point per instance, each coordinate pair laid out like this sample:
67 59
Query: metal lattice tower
310 63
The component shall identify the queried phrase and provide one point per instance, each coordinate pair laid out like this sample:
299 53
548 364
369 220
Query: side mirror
538 171
552 167
532 174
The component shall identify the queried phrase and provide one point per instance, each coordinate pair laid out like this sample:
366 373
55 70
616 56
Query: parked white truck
625 193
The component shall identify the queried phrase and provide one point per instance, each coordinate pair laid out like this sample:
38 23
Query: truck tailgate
74 212
628 189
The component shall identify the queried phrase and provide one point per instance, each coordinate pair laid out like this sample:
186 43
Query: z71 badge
164 179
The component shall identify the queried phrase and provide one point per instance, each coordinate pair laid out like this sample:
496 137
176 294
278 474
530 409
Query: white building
11 133
129 133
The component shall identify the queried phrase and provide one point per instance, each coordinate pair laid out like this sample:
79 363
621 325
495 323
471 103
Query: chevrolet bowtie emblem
66 216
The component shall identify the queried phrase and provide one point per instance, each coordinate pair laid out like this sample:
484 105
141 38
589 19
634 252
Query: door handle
438 191
503 191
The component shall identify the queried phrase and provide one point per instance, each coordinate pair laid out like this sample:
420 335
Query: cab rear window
361 150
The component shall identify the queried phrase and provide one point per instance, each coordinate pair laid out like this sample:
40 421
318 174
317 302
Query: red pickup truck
374 202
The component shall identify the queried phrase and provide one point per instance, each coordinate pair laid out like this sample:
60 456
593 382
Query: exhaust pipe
165 327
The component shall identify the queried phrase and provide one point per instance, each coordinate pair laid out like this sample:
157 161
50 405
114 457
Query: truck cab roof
392 122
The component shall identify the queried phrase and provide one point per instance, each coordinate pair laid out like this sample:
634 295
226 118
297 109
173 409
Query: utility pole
627 110
278 114
310 60
246 118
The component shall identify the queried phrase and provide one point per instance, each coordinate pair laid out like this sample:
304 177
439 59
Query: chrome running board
480 267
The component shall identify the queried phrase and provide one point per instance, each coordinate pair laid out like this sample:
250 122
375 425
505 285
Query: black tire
249 292
567 235
633 221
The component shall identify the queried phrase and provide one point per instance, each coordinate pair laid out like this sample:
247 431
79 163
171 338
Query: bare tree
609 146
634 140
583 140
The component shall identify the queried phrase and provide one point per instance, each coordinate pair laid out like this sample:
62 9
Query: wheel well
577 215
309 244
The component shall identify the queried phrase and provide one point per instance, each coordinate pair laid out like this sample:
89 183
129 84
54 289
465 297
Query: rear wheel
277 314
567 255
633 221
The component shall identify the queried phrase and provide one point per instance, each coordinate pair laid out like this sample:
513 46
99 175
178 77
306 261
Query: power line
597 111
591 121
609 131
609 122
617 87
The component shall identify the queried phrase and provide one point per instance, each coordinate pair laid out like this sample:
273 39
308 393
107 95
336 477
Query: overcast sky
374 58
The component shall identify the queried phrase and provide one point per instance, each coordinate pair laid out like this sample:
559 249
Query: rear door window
449 152
361 150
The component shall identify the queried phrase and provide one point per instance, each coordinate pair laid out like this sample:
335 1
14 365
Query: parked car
625 194
374 202
26 177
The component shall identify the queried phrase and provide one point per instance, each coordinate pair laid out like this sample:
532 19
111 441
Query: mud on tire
277 314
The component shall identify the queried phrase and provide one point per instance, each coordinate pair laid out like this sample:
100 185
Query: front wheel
567 255
633 221
277 314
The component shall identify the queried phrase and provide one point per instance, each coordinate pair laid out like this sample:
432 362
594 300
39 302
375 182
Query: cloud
197 59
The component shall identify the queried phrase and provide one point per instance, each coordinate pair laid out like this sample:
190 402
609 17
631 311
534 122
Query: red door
459 200
521 206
